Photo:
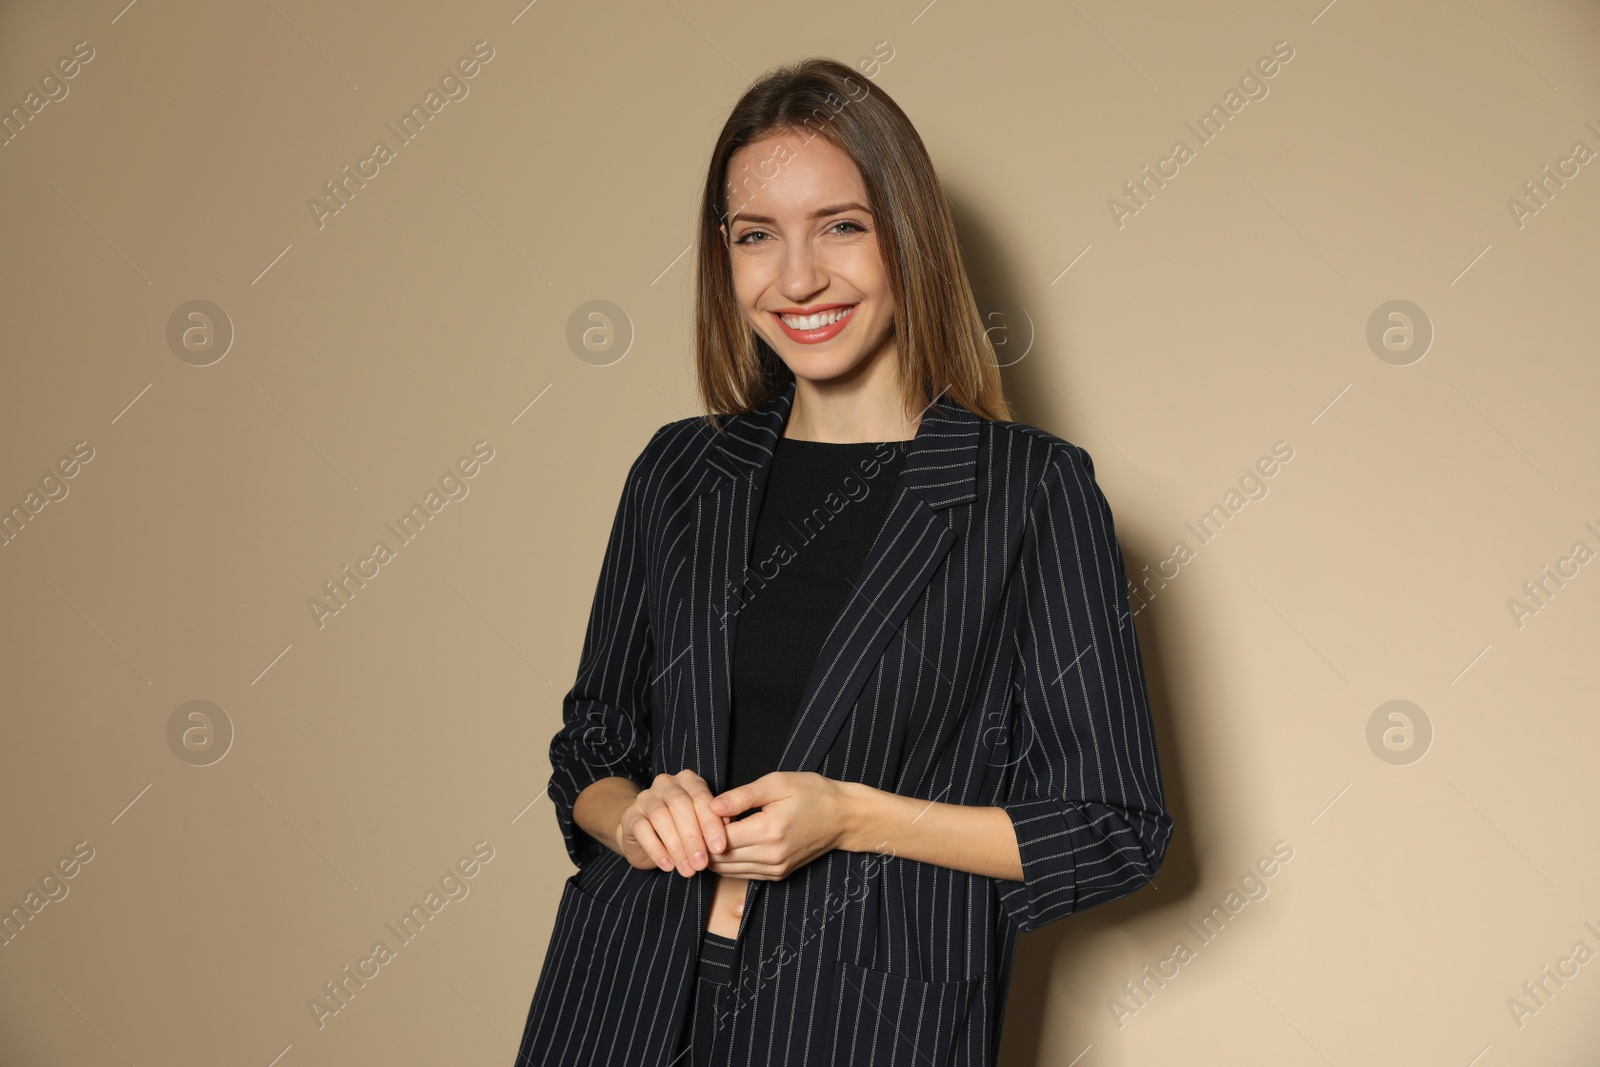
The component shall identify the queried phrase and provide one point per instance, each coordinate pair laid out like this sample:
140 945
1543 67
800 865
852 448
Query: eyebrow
821 212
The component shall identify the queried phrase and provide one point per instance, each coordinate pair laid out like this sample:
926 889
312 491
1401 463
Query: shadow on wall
1069 943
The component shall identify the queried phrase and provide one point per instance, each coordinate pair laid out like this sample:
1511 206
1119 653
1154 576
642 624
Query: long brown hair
943 348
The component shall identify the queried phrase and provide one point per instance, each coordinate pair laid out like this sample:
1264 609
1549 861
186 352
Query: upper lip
812 310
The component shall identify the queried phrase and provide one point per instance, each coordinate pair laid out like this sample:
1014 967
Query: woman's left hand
801 817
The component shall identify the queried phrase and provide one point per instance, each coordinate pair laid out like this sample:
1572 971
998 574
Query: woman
860 697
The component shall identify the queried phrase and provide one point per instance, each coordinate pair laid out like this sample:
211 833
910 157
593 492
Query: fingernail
719 844
699 858
666 864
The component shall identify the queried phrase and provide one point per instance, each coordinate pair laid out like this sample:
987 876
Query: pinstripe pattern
986 656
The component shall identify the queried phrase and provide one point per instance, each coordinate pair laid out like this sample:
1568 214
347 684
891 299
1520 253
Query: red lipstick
821 333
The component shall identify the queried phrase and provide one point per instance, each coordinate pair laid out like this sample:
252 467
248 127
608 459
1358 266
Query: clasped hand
678 823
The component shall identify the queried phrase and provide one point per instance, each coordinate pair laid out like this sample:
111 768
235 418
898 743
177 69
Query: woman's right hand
671 825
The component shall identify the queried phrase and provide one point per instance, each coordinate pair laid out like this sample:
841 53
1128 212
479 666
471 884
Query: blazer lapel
939 471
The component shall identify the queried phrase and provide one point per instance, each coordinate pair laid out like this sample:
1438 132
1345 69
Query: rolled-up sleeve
606 715
1085 798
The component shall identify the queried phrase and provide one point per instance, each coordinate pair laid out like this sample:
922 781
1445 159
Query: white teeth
817 321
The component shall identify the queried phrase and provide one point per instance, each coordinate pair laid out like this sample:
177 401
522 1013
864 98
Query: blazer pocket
889 1020
601 878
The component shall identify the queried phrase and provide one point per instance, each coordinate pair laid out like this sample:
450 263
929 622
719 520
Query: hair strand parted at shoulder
944 350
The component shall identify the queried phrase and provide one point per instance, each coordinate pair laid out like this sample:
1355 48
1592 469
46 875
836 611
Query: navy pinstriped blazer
986 656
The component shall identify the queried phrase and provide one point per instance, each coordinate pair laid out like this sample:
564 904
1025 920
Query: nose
801 276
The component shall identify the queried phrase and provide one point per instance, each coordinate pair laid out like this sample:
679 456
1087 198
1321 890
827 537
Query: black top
822 508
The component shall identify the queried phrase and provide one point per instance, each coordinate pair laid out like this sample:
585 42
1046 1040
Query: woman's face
804 252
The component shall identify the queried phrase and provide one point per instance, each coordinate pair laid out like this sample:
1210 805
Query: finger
747 866
746 834
687 822
639 828
666 827
680 831
752 871
711 825
690 801
700 826
708 823
731 802
771 786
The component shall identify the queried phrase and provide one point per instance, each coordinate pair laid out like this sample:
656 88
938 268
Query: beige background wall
361 357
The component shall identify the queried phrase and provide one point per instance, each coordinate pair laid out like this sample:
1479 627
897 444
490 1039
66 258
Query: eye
746 238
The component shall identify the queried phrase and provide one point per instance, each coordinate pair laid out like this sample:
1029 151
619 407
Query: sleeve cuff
582 847
1049 886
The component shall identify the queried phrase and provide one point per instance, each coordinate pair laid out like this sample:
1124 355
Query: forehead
785 176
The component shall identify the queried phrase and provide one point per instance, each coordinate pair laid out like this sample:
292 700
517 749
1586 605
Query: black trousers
703 1041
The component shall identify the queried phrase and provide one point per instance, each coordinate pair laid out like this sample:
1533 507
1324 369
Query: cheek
864 269
749 282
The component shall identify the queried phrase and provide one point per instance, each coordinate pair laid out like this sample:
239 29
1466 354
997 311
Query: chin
817 367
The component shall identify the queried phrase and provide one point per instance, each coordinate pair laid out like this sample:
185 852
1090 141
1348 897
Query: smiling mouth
817 328
805 323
